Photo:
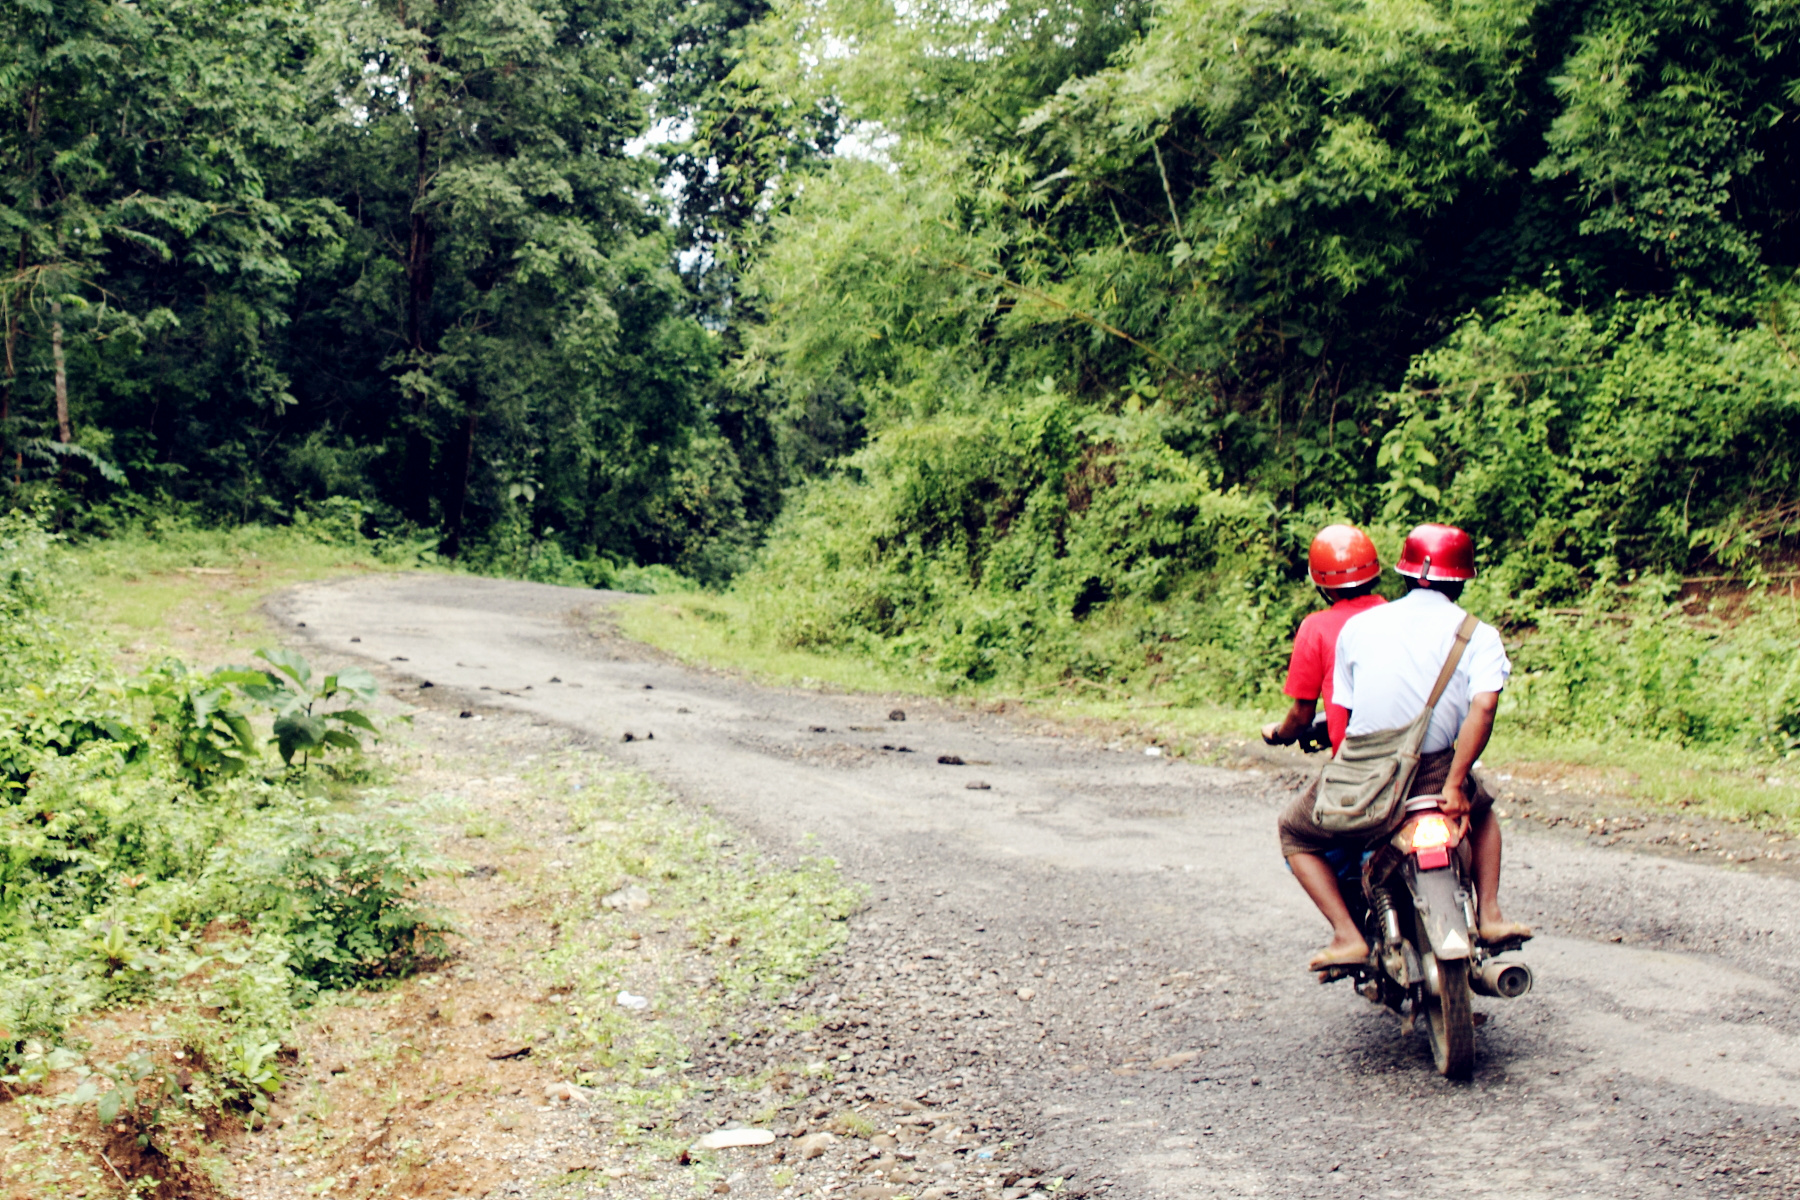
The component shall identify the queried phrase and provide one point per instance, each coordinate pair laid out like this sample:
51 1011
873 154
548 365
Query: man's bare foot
1501 930
1342 952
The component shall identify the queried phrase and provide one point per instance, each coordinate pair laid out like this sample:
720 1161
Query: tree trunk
457 500
12 373
32 110
12 364
63 433
417 498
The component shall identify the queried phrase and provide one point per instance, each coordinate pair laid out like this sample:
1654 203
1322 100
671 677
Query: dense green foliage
151 848
1031 343
1136 298
277 252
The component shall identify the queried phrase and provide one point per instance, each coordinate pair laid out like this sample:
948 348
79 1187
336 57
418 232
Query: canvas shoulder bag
1365 786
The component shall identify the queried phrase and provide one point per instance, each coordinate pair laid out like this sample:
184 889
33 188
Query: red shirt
1315 658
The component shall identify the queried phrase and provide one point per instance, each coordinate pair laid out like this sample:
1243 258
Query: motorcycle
1412 897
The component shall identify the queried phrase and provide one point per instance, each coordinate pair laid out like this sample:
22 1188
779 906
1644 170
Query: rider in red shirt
1344 566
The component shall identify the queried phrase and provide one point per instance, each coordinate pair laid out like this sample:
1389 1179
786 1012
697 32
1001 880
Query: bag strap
1464 632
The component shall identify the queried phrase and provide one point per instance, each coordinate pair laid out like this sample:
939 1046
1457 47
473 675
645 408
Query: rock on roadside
726 1139
813 1145
627 899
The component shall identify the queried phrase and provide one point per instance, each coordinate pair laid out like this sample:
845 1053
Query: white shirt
1388 658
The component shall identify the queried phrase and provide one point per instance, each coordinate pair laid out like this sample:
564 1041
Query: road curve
1658 1056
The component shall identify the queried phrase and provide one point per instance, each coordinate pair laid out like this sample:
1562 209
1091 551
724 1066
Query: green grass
725 631
183 589
724 926
722 630
1719 785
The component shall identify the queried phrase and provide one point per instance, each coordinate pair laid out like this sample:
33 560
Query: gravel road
1170 1042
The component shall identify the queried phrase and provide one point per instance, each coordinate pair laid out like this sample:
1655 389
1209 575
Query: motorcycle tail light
1430 833
1432 860
1428 836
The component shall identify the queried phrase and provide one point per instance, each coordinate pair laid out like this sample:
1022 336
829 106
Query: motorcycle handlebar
1314 737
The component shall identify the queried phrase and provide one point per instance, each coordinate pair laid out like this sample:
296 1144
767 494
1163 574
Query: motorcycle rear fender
1437 895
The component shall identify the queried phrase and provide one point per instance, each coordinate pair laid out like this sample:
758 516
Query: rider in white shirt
1389 657
1387 660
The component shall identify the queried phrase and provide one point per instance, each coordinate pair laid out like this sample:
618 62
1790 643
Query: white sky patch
961 10
868 141
665 131
661 132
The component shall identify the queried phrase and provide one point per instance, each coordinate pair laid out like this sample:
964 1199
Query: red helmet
1441 552
1342 556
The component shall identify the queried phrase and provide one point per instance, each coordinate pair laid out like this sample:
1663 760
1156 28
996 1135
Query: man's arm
1287 730
1304 683
1471 740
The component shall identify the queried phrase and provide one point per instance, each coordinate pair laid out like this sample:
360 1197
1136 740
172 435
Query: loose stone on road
1100 956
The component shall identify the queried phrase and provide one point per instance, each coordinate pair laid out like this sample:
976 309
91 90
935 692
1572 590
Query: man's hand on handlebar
1286 731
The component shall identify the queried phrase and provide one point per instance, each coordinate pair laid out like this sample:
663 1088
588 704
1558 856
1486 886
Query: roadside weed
483 825
210 731
156 858
724 926
850 1124
311 719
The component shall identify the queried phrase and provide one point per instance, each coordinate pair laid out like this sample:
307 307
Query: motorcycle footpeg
1503 945
1339 971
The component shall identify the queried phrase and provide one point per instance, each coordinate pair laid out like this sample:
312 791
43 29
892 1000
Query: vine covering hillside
1133 299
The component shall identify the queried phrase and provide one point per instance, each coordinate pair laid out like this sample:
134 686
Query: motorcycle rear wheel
1450 1019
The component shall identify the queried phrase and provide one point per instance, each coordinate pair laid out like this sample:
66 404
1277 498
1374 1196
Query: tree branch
1078 314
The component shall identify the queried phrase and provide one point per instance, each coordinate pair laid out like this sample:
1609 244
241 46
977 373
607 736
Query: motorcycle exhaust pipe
1502 980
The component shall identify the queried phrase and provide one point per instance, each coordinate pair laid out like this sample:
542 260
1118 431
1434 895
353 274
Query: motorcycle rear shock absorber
1383 904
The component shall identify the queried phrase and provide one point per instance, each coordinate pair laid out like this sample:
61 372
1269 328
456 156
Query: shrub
1579 446
343 900
144 836
1036 541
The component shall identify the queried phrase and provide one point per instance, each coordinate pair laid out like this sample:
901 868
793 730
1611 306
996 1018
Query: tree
133 158
481 145
1259 214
